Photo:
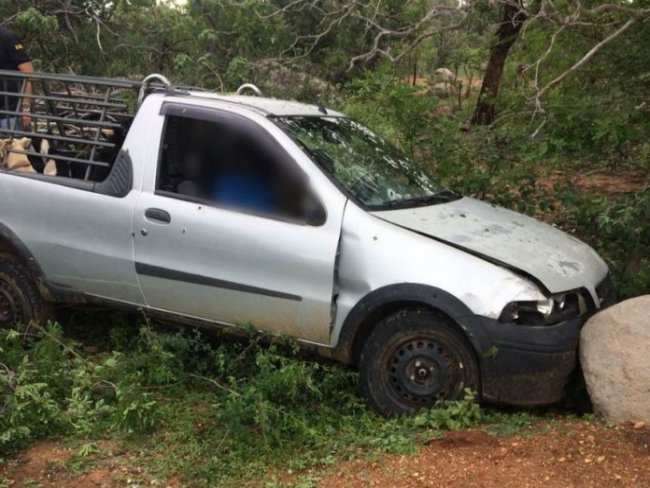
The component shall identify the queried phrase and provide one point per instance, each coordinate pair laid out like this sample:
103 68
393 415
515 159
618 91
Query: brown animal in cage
17 161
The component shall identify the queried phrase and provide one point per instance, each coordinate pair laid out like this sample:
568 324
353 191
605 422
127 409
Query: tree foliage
570 92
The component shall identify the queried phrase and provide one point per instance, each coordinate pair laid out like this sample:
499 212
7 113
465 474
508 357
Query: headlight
553 310
545 307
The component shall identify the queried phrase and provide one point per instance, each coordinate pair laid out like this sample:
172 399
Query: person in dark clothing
13 56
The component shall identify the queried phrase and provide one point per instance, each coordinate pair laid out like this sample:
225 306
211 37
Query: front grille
605 291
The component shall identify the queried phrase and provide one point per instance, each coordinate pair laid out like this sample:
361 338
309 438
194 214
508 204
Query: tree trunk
511 23
415 72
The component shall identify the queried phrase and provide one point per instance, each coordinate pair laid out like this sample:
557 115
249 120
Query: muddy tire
21 304
413 359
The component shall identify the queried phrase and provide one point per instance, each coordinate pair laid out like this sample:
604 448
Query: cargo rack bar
83 118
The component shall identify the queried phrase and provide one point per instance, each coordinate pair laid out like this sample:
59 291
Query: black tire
413 359
21 304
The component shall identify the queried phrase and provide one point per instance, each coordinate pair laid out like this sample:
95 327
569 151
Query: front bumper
526 365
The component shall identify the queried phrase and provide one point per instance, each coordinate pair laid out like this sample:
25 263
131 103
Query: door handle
158 215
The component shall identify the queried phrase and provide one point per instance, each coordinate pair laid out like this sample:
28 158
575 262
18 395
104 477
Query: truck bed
82 119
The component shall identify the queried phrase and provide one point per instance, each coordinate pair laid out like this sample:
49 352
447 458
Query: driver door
197 258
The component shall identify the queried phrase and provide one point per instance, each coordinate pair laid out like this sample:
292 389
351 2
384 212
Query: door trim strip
175 275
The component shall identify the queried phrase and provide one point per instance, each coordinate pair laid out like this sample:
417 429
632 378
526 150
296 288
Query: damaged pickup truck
217 209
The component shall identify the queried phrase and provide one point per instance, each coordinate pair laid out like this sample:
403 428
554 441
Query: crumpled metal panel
559 261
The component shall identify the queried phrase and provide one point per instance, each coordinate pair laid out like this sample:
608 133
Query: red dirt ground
44 465
610 184
561 454
576 454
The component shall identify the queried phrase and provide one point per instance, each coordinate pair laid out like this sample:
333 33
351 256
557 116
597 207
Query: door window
236 166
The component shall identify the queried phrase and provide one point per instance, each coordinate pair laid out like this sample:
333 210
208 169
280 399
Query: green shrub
48 387
619 230
220 409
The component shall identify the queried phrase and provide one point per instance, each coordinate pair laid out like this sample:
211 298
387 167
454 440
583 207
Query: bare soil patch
565 454
608 184
45 465
559 454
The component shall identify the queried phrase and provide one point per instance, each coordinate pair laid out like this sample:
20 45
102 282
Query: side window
233 166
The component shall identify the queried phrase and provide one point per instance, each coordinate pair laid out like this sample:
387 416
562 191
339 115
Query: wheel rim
423 371
12 312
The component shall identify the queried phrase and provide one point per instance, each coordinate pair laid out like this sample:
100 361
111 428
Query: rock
440 90
294 80
443 75
614 346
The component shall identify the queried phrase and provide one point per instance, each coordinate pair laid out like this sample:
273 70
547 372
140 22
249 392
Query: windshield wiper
447 194
443 196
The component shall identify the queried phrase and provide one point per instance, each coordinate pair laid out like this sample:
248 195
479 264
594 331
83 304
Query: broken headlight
553 310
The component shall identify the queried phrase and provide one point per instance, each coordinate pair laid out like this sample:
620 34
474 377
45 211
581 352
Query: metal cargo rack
83 118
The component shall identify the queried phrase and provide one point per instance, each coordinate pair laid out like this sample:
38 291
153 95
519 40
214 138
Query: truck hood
557 260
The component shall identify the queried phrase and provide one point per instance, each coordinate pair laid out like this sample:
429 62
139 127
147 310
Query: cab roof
269 106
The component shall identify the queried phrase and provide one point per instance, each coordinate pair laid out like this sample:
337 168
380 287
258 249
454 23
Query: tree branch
583 60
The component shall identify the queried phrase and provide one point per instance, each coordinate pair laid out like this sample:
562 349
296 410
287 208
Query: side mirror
313 210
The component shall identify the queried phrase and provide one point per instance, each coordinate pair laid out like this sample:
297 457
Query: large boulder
615 357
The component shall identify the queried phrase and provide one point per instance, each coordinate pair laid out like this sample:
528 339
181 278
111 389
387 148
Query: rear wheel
21 304
414 359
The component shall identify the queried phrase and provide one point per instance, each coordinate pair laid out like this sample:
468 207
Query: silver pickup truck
224 210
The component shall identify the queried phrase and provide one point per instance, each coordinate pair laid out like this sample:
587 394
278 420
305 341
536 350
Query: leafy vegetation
220 409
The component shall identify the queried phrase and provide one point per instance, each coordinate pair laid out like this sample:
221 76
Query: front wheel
21 304
414 359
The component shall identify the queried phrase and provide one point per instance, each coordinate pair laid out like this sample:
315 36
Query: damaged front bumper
526 365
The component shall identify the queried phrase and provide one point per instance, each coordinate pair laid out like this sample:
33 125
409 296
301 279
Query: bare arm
27 67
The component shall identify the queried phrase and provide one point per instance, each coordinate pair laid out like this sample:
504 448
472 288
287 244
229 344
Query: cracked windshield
376 173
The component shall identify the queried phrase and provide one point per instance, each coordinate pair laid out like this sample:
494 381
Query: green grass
214 412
